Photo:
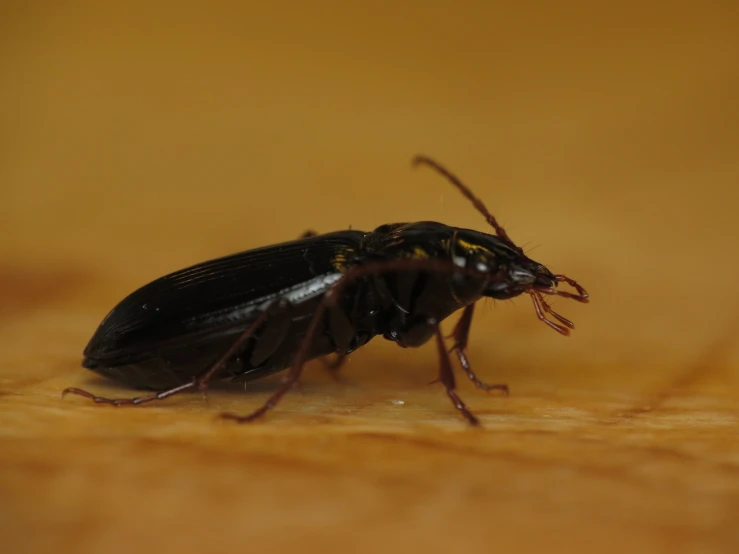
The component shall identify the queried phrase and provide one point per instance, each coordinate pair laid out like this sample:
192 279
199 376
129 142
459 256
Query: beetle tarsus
136 401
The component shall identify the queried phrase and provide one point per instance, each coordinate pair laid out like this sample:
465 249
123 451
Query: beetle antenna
424 160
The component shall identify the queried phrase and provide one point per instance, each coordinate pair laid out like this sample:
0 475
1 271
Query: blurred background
137 138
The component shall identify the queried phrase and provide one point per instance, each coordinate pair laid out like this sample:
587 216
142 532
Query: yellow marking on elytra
473 247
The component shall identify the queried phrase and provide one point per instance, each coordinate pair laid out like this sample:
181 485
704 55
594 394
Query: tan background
138 139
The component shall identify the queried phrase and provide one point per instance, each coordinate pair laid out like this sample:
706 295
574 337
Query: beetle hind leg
200 382
132 401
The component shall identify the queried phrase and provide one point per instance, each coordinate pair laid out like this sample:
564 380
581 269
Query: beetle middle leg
446 376
461 335
199 382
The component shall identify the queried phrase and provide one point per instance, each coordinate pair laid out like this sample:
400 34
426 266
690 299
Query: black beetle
261 311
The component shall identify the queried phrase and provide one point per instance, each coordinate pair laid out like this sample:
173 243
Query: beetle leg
296 370
461 336
446 376
135 401
308 234
200 382
290 380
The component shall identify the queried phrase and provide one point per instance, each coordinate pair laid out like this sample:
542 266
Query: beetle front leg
461 335
446 376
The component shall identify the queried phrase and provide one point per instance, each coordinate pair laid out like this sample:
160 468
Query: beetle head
508 271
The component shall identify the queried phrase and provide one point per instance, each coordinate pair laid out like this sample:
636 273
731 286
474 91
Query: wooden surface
137 140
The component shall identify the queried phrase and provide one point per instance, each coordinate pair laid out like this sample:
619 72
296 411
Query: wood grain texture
140 140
